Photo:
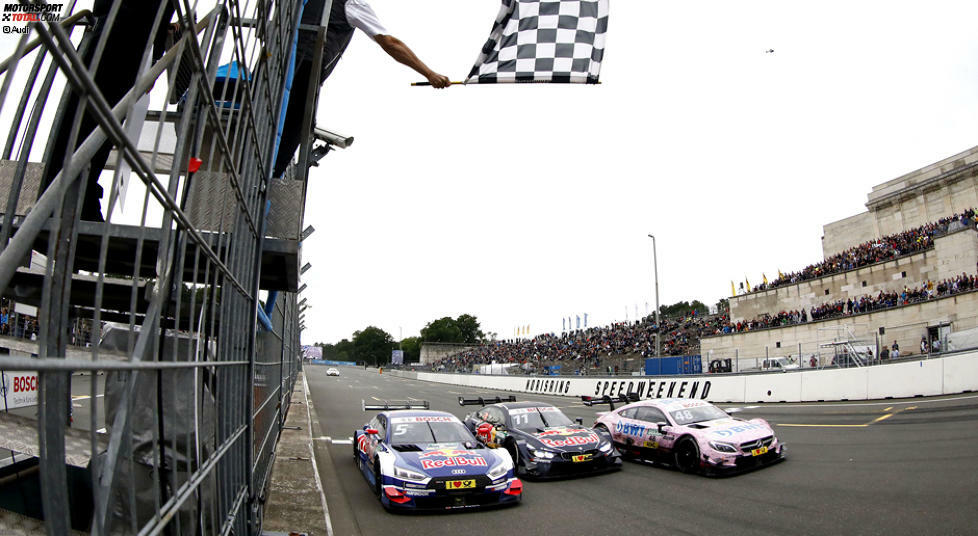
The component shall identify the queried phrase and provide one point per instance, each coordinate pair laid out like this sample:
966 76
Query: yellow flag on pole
733 289
748 283
765 277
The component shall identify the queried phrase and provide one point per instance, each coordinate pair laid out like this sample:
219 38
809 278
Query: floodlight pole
658 326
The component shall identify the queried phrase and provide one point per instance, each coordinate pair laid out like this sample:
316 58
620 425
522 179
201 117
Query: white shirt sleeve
360 15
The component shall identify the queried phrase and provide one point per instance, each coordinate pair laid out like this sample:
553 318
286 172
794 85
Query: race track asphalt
890 467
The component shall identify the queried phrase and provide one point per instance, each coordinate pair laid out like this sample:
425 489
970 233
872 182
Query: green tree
464 329
684 308
442 330
373 345
341 351
412 349
468 325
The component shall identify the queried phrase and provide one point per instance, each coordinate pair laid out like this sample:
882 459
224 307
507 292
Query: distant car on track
692 435
542 441
332 372
427 460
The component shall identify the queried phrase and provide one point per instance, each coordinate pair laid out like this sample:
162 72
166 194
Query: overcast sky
525 204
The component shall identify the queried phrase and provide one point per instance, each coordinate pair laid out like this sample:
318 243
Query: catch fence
153 262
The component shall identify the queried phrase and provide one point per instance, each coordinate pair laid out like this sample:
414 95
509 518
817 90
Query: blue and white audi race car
416 459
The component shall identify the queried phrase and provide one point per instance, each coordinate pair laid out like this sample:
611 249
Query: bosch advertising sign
18 390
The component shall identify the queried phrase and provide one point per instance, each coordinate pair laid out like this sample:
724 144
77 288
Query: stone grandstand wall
433 351
952 255
951 374
905 324
917 198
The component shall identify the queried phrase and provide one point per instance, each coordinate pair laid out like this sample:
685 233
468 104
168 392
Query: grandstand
917 281
909 276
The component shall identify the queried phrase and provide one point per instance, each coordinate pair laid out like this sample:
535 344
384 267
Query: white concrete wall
948 375
836 384
916 378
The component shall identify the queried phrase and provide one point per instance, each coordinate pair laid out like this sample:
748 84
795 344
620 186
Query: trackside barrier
333 363
951 374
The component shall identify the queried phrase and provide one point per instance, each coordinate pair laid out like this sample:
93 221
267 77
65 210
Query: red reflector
515 488
395 496
194 164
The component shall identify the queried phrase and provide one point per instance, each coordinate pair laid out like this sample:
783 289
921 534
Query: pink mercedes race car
692 435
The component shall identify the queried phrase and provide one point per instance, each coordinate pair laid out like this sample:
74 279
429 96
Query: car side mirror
371 431
579 421
663 427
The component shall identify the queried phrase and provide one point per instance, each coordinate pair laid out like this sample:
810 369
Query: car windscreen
697 414
413 430
532 419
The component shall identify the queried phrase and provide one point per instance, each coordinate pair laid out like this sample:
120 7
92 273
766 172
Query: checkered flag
557 41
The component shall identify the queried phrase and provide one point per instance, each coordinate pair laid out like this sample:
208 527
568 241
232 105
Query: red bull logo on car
565 437
450 457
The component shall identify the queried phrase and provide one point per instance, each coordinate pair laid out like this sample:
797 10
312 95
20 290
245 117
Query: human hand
439 81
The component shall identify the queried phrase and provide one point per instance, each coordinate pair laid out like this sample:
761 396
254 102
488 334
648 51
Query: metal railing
160 283
841 347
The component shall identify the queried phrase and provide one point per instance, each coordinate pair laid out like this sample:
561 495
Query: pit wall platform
952 374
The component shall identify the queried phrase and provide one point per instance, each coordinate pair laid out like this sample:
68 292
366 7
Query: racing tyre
378 488
514 452
626 450
687 455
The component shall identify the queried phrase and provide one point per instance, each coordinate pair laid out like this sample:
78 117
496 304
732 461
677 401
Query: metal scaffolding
169 304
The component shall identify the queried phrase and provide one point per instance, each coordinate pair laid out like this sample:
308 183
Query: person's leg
294 114
115 76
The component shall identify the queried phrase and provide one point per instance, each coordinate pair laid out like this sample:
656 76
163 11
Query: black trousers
114 77
295 112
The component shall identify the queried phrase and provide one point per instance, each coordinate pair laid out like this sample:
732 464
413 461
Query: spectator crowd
585 348
874 251
850 306
25 326
681 335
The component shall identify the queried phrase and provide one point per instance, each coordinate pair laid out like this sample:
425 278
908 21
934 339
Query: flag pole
419 84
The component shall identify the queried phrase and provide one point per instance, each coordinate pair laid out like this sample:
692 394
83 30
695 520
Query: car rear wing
395 404
610 400
484 400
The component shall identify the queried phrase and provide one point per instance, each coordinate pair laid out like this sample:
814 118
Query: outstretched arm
400 52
